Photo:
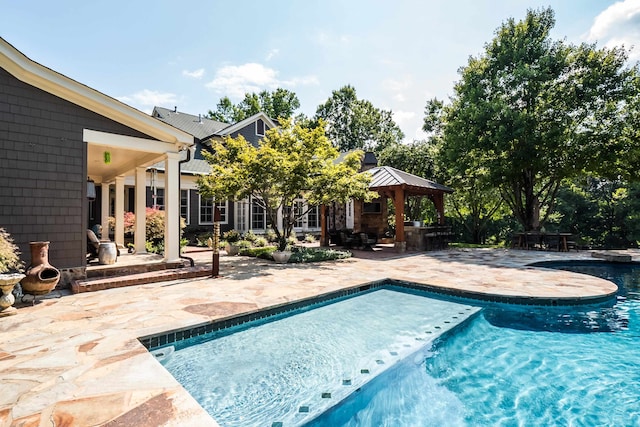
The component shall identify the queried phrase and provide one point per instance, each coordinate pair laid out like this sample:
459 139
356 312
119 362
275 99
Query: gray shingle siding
43 169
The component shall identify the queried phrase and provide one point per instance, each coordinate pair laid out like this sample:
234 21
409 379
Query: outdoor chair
347 240
366 242
93 244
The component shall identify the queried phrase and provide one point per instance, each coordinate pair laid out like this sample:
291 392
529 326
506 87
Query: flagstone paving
76 360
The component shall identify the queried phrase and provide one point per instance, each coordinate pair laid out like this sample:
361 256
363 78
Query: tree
290 162
279 104
354 123
535 112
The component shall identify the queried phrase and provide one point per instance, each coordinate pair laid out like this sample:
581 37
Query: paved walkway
76 360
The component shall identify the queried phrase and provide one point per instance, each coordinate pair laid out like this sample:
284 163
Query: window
158 202
206 211
375 207
184 205
260 127
257 216
313 217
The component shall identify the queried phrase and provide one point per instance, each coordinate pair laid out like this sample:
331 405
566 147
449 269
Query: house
243 215
57 136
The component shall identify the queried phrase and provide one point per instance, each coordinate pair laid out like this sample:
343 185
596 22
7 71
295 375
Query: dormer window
260 127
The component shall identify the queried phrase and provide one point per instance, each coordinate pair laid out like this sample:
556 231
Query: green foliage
259 252
231 236
290 162
250 236
354 123
531 112
309 238
302 254
260 241
9 254
279 104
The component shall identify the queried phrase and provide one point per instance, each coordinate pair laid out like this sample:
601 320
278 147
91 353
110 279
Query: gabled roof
241 124
198 126
41 77
386 176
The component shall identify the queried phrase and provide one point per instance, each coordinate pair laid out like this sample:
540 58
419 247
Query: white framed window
206 211
258 217
313 217
260 127
184 205
242 214
158 199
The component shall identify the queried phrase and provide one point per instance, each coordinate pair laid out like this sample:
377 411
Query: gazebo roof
387 177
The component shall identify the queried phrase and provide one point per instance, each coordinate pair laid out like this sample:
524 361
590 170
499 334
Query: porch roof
386 177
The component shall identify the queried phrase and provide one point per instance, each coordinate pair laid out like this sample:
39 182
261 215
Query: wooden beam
398 203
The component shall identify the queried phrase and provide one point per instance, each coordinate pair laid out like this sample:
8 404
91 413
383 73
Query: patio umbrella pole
215 262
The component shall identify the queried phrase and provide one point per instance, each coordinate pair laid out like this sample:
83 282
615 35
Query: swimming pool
507 366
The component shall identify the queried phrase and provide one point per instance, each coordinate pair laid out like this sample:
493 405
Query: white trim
187 219
128 142
34 74
226 212
243 123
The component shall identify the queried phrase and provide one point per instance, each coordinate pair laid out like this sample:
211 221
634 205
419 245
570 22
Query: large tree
279 104
290 162
532 112
354 123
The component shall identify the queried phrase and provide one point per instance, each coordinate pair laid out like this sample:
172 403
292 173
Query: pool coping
77 358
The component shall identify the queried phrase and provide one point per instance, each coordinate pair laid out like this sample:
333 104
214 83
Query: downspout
179 198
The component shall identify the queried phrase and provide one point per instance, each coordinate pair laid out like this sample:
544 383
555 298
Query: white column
104 211
140 233
119 212
171 208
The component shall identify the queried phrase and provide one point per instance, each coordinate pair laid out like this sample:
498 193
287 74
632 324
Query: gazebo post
438 201
398 203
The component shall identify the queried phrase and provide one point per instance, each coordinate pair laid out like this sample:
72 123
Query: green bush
260 242
203 239
250 236
9 254
262 252
309 238
317 254
231 236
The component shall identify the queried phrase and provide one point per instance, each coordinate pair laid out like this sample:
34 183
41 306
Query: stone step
99 284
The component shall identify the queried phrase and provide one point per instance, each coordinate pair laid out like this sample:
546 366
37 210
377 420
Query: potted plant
10 272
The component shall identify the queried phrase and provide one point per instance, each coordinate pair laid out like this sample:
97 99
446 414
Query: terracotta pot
41 277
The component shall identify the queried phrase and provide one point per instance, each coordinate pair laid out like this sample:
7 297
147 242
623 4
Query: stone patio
76 359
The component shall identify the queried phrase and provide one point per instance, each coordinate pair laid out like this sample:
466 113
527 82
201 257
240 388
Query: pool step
102 283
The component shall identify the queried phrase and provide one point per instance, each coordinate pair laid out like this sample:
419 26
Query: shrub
203 239
250 237
317 254
9 254
262 252
260 242
270 236
309 238
231 236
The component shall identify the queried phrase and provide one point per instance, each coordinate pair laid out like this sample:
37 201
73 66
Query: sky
186 54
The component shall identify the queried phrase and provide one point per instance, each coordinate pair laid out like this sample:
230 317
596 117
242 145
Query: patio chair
93 244
366 242
347 240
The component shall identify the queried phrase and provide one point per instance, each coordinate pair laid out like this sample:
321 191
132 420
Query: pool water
287 371
384 359
520 366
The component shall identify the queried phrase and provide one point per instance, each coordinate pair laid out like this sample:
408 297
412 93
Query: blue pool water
520 366
507 366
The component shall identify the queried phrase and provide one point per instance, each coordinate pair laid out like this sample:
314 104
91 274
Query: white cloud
398 88
196 74
149 98
271 54
235 81
617 25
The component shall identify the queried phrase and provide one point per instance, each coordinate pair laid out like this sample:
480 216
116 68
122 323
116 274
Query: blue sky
397 54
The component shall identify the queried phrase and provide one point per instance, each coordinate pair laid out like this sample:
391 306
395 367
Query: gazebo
397 185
